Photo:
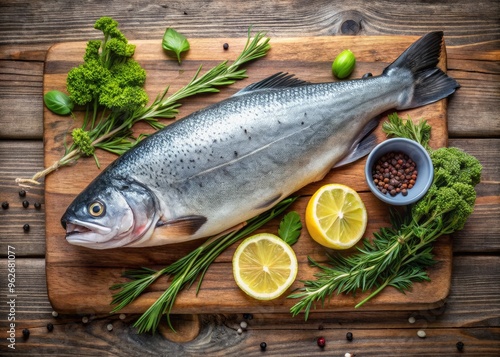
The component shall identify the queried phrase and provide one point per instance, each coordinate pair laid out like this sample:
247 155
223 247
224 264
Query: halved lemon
264 266
336 216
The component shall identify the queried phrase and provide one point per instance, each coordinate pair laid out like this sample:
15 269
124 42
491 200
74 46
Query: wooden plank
470 315
74 271
288 18
21 159
20 98
476 231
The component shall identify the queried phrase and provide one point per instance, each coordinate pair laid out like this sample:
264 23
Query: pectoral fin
364 144
182 226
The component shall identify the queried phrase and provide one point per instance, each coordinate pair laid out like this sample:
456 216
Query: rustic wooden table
471 312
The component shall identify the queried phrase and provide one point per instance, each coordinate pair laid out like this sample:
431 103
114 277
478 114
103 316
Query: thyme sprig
112 131
184 272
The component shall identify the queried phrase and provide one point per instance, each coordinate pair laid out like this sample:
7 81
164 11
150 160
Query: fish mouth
84 232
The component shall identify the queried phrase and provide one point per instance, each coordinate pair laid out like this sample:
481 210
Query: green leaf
290 227
175 42
58 102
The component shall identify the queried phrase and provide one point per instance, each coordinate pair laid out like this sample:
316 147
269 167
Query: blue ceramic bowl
424 167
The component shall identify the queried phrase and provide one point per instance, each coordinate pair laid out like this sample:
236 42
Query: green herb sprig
399 255
109 127
419 132
186 270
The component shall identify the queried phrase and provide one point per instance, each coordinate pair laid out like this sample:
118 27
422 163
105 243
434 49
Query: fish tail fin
430 84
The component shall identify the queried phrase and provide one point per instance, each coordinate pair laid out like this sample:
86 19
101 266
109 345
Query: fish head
110 214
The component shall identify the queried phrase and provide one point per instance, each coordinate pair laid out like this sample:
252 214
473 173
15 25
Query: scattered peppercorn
5 205
460 346
26 333
26 204
394 173
225 46
38 205
243 325
320 327
247 316
321 342
263 346
22 193
26 227
109 327
50 327
421 334
348 336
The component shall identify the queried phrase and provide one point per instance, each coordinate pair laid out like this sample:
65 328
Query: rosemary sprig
396 257
399 255
112 131
184 272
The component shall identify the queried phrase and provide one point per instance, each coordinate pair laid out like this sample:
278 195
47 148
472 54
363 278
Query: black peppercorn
22 193
5 205
225 46
26 333
50 327
460 346
247 316
38 205
26 227
348 336
26 204
263 346
394 173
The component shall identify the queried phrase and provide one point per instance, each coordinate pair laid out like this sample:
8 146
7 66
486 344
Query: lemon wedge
336 216
264 266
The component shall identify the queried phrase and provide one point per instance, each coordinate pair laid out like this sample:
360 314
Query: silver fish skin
227 163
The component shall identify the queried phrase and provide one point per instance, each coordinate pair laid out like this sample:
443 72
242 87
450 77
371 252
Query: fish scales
235 159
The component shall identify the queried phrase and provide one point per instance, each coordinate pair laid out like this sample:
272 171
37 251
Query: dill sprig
183 272
112 131
398 255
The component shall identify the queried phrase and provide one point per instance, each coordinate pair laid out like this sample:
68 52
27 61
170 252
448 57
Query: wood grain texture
470 313
471 36
71 271
20 159
41 22
471 318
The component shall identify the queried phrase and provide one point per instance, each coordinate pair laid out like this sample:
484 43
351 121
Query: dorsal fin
278 80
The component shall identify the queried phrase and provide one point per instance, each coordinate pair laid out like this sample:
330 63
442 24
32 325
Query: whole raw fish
226 163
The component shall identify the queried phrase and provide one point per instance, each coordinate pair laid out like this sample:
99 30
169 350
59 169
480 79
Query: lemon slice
264 266
336 216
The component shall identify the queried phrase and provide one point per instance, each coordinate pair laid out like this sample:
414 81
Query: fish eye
96 209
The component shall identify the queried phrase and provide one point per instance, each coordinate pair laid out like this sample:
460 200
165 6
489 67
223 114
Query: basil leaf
58 102
175 42
290 227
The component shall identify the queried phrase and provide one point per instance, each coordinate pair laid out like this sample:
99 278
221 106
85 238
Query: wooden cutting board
78 279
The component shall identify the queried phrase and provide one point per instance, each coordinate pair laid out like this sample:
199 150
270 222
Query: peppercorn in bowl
399 171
